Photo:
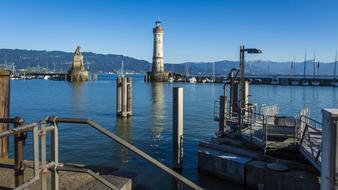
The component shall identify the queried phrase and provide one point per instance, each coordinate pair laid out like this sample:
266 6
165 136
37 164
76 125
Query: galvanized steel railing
50 124
127 145
309 140
18 132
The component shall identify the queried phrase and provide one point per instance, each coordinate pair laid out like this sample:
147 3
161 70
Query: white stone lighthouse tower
158 48
157 73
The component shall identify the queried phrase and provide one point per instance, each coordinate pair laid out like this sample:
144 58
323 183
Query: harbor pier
257 147
271 79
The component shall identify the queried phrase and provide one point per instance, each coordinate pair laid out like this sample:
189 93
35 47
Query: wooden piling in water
124 96
118 95
4 110
129 95
178 127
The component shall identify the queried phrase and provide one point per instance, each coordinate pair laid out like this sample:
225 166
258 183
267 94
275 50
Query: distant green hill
95 62
24 59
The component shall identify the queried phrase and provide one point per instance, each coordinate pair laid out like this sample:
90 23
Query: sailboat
294 82
171 78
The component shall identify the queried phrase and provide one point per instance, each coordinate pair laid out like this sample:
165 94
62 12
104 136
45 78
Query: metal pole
54 141
18 153
222 115
234 98
4 110
329 161
43 170
36 150
178 127
246 93
242 79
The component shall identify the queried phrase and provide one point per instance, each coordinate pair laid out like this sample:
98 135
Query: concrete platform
72 176
248 167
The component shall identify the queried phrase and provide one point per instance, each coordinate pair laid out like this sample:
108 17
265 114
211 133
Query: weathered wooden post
118 95
178 127
124 96
129 97
18 153
222 115
4 110
329 167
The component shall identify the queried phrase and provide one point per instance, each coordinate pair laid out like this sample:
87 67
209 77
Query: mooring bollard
329 168
178 127
4 110
124 96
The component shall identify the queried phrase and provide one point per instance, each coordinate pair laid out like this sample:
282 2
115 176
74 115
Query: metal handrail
126 145
20 185
306 139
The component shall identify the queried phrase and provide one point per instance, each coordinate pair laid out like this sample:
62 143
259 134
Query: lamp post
241 65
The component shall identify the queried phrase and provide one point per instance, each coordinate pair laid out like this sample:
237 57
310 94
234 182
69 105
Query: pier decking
72 176
257 139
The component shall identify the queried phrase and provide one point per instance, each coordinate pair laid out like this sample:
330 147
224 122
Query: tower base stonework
79 76
158 76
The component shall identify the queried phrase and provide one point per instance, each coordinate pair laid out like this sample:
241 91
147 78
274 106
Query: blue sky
204 30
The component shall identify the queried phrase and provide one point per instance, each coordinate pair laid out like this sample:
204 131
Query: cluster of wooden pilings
124 96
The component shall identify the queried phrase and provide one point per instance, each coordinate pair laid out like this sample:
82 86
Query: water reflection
123 130
77 95
157 109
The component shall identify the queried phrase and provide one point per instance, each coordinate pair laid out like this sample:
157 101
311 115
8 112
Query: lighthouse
157 73
158 48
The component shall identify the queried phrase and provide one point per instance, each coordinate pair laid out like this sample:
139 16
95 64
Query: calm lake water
150 127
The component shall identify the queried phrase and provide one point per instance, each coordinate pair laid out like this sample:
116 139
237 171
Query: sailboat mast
304 65
318 68
6 61
122 67
314 65
335 66
294 67
205 68
213 70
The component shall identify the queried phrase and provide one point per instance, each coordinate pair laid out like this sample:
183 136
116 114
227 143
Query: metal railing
216 110
309 140
254 127
19 132
50 124
55 121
